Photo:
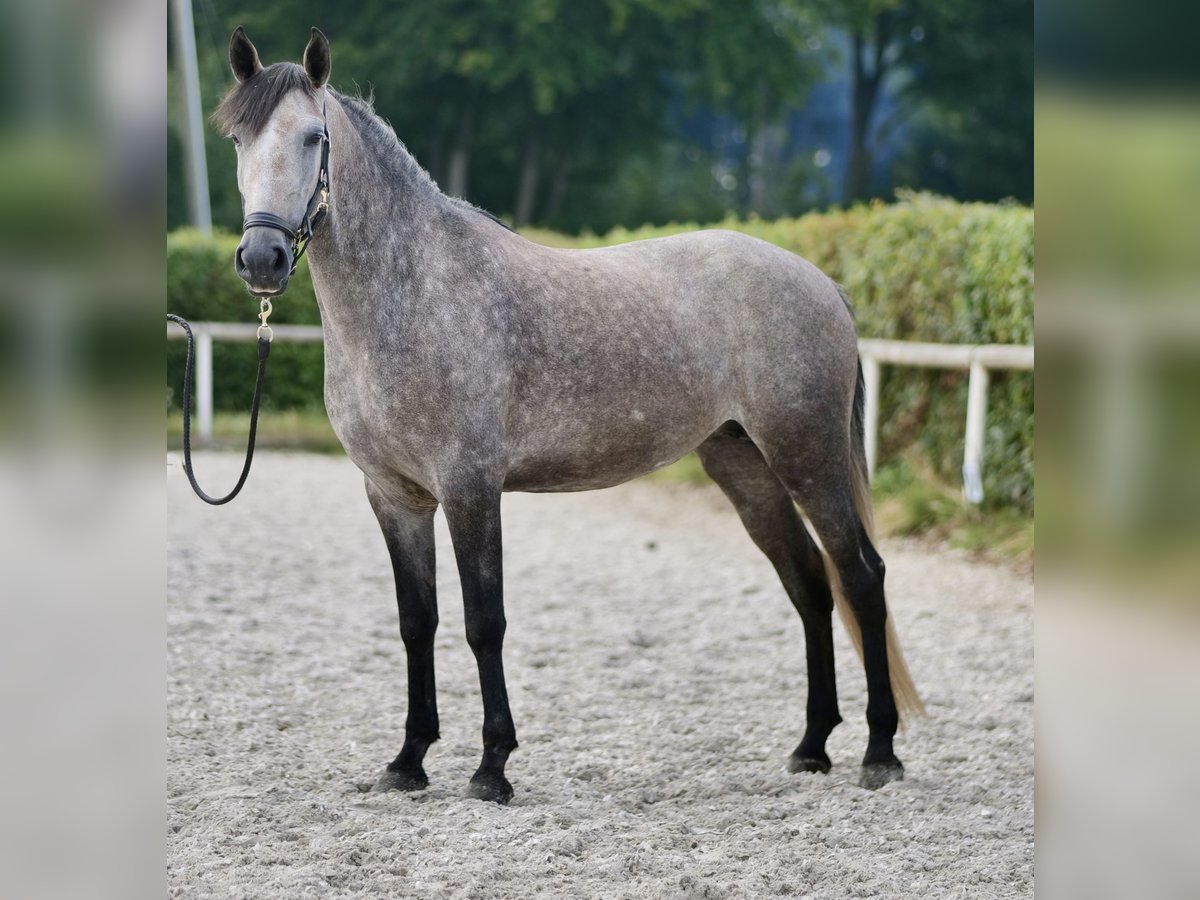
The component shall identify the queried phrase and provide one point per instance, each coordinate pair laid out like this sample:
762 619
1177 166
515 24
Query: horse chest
390 421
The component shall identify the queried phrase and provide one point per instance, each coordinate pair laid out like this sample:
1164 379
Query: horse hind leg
733 461
835 498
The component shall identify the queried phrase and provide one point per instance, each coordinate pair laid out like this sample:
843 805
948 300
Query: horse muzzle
263 261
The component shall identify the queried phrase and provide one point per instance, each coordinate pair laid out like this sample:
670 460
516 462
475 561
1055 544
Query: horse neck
383 213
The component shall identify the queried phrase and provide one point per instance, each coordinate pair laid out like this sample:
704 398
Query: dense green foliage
202 287
576 115
922 269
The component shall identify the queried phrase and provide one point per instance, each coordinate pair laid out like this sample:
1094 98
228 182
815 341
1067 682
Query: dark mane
249 104
381 140
379 137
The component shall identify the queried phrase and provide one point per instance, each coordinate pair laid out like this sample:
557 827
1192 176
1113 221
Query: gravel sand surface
656 674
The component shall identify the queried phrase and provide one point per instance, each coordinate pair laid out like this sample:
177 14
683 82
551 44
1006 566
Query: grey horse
462 361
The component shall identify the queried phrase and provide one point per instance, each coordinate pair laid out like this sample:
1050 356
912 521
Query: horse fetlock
810 755
821 724
412 754
498 742
883 721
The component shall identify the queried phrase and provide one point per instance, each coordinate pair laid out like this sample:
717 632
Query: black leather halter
314 214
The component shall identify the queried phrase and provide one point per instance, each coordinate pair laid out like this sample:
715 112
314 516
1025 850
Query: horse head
275 117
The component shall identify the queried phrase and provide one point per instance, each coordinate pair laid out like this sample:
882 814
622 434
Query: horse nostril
262 264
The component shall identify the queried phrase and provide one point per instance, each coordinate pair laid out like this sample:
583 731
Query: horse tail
904 691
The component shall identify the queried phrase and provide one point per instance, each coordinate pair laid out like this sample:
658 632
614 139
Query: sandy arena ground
656 674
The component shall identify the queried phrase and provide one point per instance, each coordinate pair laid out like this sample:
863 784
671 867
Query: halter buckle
264 311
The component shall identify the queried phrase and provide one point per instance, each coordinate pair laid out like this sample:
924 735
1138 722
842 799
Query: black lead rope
264 350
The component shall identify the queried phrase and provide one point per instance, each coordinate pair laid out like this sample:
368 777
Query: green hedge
922 269
202 287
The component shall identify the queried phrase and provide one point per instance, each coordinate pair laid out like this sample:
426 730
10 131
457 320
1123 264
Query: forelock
249 104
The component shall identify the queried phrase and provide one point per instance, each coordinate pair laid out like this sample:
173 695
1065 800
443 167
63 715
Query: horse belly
613 397
588 456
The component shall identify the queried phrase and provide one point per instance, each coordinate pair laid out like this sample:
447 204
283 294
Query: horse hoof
409 780
876 775
809 764
493 788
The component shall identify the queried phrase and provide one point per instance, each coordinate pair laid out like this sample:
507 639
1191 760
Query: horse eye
236 142
314 139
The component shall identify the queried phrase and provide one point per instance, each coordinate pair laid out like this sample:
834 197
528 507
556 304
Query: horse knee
485 631
418 627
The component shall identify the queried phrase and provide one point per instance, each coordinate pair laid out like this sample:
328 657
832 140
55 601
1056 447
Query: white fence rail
978 360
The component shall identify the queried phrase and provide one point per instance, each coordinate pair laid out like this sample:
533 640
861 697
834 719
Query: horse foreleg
408 532
474 520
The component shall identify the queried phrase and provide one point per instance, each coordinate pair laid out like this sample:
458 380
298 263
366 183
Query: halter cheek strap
314 213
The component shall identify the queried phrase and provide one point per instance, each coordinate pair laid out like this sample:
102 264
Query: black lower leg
410 542
865 594
407 771
475 528
499 734
814 602
822 713
880 764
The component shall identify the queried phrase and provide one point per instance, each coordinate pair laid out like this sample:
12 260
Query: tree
878 44
967 69
972 95
751 61
589 114
524 73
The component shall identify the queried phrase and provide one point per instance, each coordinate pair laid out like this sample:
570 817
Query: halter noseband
314 213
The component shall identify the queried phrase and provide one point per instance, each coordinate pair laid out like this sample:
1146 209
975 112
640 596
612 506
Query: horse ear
316 58
243 58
